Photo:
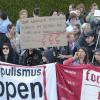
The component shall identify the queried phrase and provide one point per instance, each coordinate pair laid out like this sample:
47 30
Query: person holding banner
97 57
31 57
65 52
80 57
8 55
48 55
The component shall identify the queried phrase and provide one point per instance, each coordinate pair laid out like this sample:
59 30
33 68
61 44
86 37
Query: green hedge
12 7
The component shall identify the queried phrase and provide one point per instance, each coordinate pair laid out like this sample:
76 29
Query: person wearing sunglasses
8 54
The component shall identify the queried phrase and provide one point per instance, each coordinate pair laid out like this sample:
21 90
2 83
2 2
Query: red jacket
70 62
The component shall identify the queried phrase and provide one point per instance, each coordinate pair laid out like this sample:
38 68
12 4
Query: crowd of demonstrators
85 26
82 28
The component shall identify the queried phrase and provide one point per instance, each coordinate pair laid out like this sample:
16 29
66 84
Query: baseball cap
90 33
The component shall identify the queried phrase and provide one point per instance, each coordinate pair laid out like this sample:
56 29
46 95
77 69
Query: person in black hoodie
31 57
90 39
8 54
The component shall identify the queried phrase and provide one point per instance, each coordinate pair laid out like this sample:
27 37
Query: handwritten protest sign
97 14
43 32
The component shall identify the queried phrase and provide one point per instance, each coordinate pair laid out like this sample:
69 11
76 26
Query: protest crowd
83 45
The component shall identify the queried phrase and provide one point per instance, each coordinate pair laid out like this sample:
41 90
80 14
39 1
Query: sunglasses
5 48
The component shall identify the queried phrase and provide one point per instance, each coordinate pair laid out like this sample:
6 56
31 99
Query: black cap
90 33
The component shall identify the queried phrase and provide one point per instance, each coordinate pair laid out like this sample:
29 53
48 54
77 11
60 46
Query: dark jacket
64 50
13 57
3 39
90 49
31 59
96 63
49 54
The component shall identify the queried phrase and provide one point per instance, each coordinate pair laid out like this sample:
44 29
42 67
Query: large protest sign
78 82
27 83
97 14
43 32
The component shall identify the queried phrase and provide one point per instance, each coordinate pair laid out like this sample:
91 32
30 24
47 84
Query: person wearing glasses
8 55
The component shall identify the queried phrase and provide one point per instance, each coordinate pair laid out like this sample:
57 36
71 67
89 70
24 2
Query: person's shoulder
7 21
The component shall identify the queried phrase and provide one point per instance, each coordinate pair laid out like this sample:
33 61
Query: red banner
78 82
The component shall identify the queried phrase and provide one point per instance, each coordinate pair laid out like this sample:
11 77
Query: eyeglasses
5 48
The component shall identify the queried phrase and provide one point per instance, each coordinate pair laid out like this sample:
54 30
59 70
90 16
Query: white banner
27 83
90 85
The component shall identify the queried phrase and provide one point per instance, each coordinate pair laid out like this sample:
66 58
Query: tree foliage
12 7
